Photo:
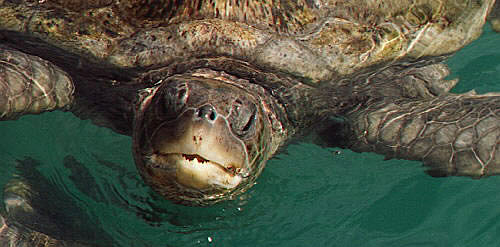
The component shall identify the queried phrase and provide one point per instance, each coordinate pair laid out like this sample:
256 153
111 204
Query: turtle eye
243 118
173 101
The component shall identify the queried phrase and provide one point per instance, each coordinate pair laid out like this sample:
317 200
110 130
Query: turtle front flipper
408 113
31 85
452 134
38 213
14 229
494 17
14 235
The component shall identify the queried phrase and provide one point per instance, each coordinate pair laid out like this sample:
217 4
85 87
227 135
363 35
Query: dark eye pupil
249 123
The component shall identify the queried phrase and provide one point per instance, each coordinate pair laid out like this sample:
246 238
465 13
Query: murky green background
305 197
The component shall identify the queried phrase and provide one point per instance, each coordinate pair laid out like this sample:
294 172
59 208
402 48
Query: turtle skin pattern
452 134
30 85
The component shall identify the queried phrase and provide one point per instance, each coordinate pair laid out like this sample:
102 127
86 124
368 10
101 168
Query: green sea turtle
210 90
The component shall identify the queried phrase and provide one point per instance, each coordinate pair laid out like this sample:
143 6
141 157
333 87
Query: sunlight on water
308 196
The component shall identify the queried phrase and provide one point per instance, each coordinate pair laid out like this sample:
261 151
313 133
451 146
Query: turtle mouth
195 171
198 158
162 160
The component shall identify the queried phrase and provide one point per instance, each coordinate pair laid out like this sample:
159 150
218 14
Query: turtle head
200 140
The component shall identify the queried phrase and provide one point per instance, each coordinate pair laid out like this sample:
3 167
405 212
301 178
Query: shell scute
321 40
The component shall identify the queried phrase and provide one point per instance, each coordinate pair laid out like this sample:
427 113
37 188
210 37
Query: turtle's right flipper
39 213
31 85
14 235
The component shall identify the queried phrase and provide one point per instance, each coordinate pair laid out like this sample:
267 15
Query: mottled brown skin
453 135
247 77
494 17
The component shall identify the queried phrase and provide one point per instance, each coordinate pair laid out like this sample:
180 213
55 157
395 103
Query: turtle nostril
206 112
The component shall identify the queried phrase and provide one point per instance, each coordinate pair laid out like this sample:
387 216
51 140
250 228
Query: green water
305 197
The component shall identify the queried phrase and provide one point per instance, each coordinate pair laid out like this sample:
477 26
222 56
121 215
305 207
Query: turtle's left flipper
452 134
31 85
494 17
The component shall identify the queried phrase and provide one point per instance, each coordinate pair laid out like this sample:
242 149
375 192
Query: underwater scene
306 196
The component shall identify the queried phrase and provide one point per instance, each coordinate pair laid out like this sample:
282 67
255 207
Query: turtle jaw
195 172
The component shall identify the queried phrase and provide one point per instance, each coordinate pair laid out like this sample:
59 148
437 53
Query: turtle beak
198 151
